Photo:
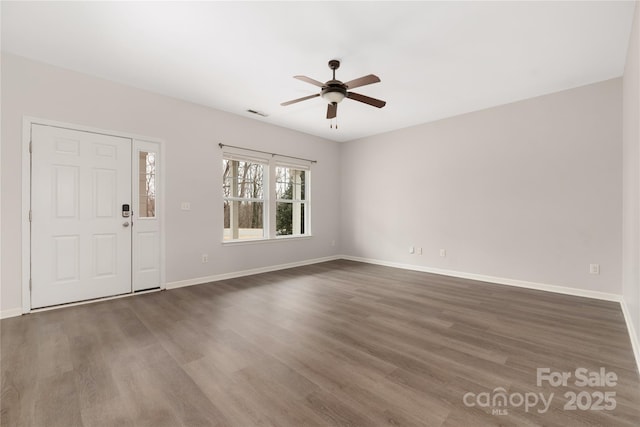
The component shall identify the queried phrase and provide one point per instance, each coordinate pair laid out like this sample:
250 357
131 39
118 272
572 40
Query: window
264 199
290 201
243 187
147 184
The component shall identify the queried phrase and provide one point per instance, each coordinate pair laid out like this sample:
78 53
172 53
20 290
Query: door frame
27 122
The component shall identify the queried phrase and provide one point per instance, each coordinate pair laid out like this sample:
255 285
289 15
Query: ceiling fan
334 91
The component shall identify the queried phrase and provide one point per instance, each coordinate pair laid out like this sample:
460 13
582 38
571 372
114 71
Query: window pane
290 218
147 184
290 184
242 179
243 220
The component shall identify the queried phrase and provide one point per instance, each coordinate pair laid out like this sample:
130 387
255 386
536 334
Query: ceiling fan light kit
334 95
334 91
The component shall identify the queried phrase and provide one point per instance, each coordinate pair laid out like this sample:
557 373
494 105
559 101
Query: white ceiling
435 59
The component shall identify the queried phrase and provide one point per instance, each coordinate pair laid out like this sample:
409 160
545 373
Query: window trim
265 240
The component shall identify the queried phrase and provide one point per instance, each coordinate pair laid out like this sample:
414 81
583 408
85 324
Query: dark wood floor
333 344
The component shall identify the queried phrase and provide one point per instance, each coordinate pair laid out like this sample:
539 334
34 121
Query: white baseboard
633 335
235 274
492 279
12 312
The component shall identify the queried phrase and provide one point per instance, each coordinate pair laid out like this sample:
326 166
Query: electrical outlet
205 258
594 268
411 250
333 243
419 251
443 252
185 206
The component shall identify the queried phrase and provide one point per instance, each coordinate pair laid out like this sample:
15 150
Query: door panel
67 258
65 187
80 248
105 182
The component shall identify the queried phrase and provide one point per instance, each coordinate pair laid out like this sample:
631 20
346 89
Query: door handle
125 224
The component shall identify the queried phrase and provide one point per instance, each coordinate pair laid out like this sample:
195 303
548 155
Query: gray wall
528 191
631 180
193 168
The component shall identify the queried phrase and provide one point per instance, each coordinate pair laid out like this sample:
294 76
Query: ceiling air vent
260 113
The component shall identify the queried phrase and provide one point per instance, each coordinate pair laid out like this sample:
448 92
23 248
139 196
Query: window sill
265 240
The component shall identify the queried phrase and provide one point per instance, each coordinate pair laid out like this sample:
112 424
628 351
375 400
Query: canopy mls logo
499 401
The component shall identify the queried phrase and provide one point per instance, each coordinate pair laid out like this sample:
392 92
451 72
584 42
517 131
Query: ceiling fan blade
309 80
304 98
367 100
362 81
332 111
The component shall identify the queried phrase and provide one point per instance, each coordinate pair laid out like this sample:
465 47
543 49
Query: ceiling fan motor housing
334 91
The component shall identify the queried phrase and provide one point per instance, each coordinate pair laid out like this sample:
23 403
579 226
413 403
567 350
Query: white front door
80 241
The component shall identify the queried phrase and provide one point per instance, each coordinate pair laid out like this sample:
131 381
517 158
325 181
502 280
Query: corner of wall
631 187
633 334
